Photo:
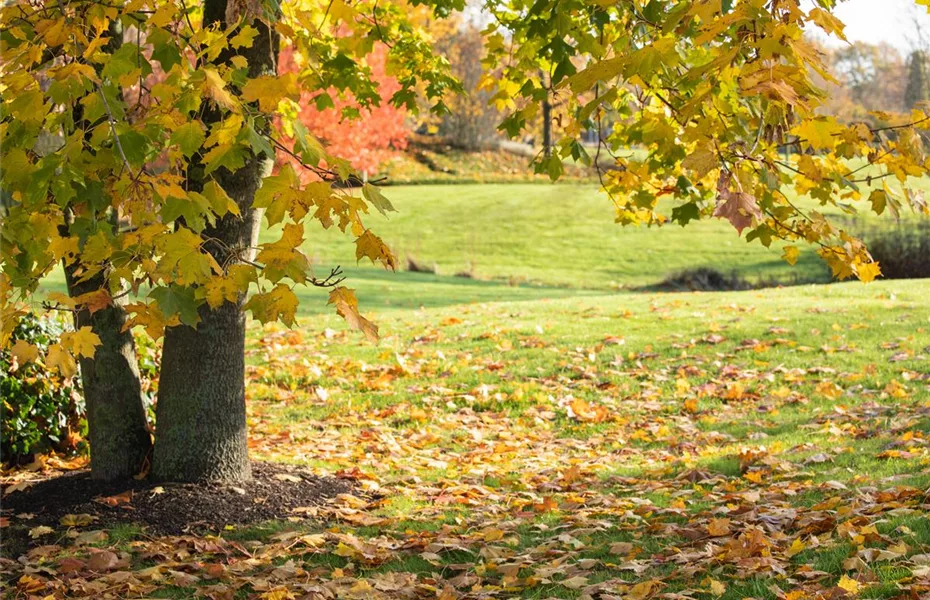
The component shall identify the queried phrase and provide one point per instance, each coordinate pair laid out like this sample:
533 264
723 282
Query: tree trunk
201 433
201 417
201 421
547 128
119 437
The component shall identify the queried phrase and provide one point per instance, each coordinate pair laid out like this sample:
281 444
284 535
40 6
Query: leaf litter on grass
493 459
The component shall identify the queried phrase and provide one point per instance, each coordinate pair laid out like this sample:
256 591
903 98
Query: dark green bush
902 250
41 410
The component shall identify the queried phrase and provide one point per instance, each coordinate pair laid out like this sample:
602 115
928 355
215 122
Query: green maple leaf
189 137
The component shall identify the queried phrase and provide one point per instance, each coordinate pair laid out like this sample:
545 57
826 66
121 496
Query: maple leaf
848 584
219 200
269 90
373 194
82 342
827 22
370 246
702 161
817 133
280 303
94 301
214 87
867 272
57 357
177 300
346 305
278 194
739 208
229 287
283 258
189 137
719 527
24 351
149 317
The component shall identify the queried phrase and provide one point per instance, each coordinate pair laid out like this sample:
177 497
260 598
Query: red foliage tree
366 141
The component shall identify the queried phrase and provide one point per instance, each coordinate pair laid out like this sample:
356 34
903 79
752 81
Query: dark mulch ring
274 492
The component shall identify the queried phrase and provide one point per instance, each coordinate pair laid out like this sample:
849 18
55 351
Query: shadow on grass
378 289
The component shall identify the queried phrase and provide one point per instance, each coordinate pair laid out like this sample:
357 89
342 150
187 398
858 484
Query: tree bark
201 433
547 128
201 414
119 437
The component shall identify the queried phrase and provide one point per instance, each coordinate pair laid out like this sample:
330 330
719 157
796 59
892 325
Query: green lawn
525 242
531 241
595 441
565 438
550 235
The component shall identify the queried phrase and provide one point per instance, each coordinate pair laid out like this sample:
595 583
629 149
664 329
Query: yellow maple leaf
219 290
279 303
826 21
818 133
790 254
24 352
269 90
347 307
643 590
849 584
215 88
58 358
149 317
867 272
82 342
797 546
718 527
370 246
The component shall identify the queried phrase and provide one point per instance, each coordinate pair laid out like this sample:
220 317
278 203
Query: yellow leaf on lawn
278 593
754 476
718 527
848 584
643 590
797 546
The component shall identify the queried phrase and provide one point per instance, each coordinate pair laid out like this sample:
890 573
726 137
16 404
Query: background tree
471 122
917 79
872 75
366 136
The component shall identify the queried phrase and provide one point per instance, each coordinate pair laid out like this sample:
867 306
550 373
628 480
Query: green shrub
148 353
902 250
41 410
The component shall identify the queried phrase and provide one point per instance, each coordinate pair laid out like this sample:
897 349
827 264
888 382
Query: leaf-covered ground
771 444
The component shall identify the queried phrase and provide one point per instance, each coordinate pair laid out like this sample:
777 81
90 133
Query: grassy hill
523 241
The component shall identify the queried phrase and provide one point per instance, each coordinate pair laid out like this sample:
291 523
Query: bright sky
875 21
